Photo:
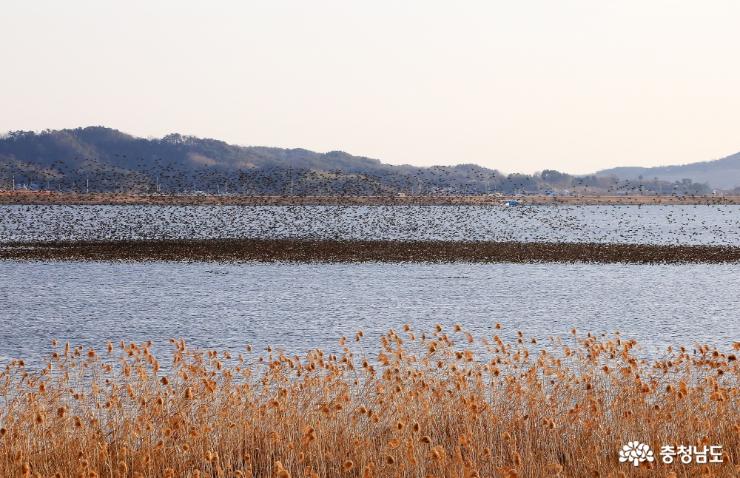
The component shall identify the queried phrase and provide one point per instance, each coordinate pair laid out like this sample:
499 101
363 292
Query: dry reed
423 405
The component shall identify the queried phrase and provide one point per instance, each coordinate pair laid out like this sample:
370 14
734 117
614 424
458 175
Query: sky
521 86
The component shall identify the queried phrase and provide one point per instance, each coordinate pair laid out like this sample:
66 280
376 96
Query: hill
721 173
100 159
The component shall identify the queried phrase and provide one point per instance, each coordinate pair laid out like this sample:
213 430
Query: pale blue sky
575 85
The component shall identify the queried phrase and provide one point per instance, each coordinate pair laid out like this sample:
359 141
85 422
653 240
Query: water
304 306
604 224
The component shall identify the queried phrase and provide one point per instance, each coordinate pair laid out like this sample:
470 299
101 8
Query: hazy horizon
576 86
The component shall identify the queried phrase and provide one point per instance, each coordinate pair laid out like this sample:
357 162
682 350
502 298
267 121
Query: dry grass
441 404
48 197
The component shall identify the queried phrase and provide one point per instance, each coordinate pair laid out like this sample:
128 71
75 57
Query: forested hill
100 159
721 173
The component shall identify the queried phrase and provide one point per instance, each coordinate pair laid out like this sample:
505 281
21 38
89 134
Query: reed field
439 403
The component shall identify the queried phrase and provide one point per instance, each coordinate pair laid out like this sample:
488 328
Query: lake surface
717 225
304 306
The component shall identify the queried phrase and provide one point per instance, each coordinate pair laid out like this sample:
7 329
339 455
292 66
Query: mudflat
299 250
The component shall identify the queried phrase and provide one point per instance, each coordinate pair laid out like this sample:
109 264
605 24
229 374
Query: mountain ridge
722 173
102 159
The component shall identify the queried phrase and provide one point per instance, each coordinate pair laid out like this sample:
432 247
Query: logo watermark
635 453
691 454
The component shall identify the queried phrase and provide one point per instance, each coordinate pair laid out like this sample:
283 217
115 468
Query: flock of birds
122 174
103 160
716 225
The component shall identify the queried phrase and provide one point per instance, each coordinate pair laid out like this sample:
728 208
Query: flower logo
635 452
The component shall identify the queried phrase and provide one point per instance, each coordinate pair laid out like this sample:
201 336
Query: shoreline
55 198
334 251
